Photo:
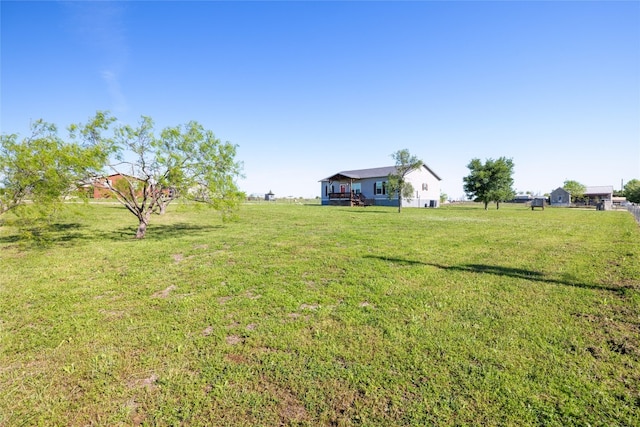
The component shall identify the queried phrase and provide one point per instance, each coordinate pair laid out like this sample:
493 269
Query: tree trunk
486 204
497 205
142 227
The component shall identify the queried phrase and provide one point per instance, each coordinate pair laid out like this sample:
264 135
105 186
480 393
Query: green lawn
310 315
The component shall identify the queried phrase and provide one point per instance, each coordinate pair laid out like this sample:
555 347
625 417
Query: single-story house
99 189
560 197
599 196
619 201
369 187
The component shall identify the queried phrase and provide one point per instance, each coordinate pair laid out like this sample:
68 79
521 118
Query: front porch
349 199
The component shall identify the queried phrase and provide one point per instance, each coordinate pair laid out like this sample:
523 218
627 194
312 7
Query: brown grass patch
224 300
251 295
236 358
234 340
164 293
149 382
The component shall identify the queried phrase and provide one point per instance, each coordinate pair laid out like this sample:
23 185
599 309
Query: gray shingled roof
603 189
369 173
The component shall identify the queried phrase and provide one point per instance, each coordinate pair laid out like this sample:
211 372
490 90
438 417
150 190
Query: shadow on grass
496 270
383 210
45 233
70 233
162 232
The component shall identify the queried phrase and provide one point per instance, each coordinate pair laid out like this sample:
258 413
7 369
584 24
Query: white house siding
426 188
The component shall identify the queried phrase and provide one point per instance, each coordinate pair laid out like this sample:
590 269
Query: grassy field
309 315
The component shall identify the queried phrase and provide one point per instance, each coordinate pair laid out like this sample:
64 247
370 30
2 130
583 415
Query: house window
356 188
425 187
380 188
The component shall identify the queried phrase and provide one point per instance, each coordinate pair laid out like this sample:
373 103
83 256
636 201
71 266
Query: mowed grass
311 315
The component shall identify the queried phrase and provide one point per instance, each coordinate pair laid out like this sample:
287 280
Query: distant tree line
631 191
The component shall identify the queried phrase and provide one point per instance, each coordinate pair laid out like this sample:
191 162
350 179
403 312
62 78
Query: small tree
575 189
42 168
398 185
502 195
185 161
491 181
443 197
632 191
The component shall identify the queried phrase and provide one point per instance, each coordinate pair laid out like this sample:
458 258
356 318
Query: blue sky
307 89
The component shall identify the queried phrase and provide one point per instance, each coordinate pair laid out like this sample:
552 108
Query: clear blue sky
307 89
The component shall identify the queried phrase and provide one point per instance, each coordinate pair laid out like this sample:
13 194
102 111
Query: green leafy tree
43 169
185 161
491 181
397 183
502 195
574 188
632 191
443 197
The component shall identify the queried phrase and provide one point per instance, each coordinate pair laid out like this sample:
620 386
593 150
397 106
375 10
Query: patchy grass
309 315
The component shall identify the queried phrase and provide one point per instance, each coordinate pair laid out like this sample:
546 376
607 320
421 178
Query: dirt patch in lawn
234 340
164 293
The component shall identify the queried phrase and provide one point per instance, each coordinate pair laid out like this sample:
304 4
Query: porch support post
351 192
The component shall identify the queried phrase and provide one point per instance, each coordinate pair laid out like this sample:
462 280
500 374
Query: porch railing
340 196
352 198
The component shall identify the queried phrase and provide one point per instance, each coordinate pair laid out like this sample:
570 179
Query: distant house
370 187
269 196
560 197
600 196
522 198
100 187
619 201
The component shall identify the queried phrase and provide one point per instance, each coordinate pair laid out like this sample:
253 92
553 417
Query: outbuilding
560 197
